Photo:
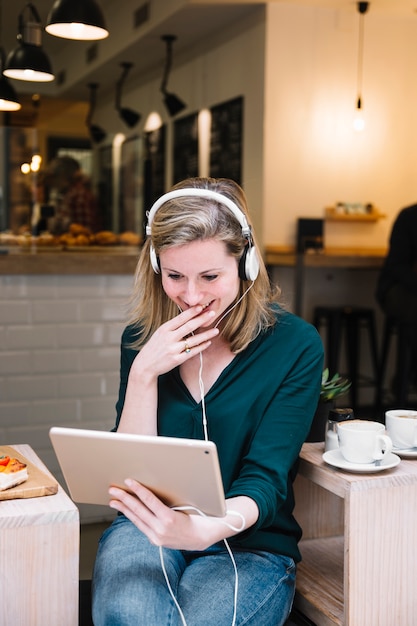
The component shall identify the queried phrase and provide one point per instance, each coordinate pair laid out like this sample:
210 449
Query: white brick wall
59 359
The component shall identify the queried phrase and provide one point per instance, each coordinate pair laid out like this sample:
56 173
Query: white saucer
335 458
406 453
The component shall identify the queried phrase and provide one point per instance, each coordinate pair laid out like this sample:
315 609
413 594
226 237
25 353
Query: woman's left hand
169 528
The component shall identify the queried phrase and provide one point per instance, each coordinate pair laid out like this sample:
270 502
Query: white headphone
249 262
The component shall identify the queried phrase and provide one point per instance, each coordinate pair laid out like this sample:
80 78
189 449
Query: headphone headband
248 263
200 193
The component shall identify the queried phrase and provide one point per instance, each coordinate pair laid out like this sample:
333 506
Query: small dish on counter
336 459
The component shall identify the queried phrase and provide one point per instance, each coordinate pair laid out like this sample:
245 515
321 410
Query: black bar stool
351 321
403 361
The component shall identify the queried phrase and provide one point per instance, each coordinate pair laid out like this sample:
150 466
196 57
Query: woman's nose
192 294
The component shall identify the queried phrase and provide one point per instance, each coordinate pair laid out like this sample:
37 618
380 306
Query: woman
208 354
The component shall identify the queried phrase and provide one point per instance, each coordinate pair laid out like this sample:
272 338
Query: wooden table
359 543
39 558
346 257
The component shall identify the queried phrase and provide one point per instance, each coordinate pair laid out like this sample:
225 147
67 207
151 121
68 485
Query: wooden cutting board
38 483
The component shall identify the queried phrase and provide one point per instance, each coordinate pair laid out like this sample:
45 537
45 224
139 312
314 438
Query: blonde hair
186 219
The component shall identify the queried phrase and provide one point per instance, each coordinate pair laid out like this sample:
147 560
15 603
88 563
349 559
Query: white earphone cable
191 508
200 371
172 594
235 304
226 543
203 402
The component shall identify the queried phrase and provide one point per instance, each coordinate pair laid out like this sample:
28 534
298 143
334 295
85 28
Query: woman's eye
174 276
210 277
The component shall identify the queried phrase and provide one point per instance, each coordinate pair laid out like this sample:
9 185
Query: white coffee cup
401 426
363 441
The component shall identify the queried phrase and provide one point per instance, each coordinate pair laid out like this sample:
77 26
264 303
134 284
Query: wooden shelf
322 563
332 215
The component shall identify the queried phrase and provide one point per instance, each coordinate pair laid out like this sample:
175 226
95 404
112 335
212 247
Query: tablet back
182 472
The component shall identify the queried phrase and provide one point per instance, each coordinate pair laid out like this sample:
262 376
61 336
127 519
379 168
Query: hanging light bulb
358 119
36 162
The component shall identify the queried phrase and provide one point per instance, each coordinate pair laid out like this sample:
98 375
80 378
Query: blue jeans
129 587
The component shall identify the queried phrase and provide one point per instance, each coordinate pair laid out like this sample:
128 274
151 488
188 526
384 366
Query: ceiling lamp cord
359 122
173 104
97 134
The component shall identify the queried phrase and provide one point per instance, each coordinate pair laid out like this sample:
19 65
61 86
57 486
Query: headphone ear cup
249 264
154 260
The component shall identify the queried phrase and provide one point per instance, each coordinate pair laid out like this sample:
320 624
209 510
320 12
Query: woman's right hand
172 344
175 342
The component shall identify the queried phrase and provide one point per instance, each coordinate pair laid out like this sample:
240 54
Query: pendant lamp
8 97
97 134
28 61
76 19
173 104
130 117
358 120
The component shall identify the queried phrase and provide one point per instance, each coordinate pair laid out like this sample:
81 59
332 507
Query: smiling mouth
205 306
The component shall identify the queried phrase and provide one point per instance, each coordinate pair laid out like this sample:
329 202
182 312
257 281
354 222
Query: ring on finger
187 348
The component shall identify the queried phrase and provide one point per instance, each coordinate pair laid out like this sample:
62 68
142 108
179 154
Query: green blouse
259 412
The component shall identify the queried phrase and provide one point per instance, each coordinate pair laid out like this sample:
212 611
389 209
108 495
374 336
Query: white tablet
182 472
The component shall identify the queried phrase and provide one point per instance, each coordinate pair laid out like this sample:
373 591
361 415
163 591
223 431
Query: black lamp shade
8 97
130 117
173 104
97 133
76 19
30 63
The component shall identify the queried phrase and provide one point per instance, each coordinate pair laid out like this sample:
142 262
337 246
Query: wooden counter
286 256
88 260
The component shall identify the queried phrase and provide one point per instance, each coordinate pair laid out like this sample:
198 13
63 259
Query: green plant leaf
333 387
